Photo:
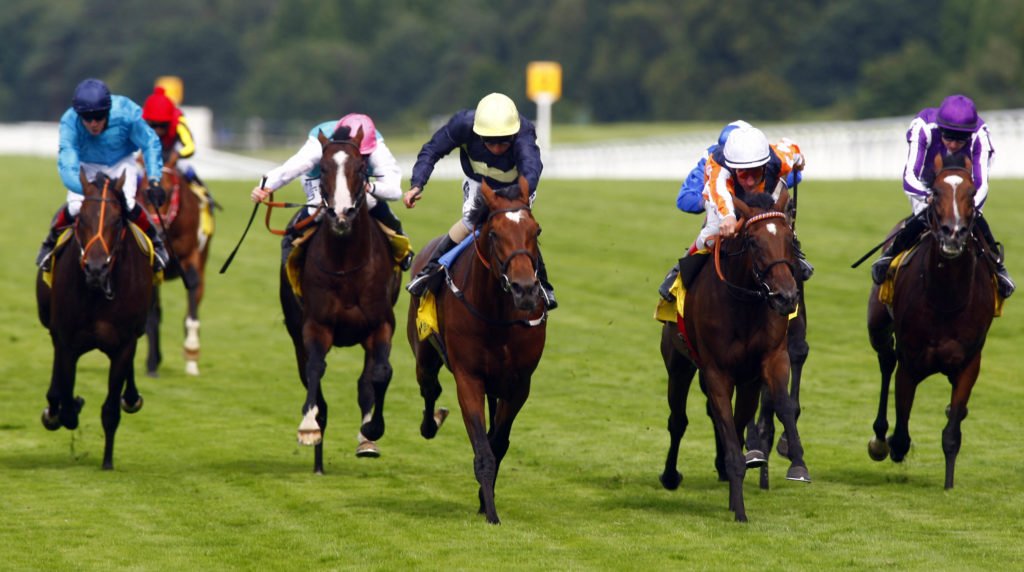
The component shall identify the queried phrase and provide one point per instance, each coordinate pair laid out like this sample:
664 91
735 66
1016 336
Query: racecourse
208 476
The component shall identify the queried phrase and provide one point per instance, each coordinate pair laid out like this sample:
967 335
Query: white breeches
127 166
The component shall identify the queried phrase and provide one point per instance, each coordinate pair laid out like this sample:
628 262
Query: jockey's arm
387 176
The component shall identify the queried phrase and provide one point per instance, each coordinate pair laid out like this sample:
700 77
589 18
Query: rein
764 291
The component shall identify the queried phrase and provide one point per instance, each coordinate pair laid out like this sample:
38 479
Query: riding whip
252 217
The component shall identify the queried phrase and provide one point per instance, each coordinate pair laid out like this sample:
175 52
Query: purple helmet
957 113
91 96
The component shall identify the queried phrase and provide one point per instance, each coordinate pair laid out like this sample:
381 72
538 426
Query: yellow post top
173 87
544 79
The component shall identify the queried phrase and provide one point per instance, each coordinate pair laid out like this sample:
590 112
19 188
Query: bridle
359 195
109 250
503 265
764 290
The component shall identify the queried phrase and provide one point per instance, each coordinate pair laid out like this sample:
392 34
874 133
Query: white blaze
342 194
514 216
955 181
771 228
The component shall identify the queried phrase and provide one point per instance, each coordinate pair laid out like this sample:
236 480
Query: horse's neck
950 278
355 245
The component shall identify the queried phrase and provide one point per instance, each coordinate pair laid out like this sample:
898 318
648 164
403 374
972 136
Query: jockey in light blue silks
99 134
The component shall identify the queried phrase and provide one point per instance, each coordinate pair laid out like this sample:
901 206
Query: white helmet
496 116
746 148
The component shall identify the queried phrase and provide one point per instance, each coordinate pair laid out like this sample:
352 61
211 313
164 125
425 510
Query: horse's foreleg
748 396
153 357
120 371
374 381
471 401
906 388
680 376
719 390
316 342
195 296
62 401
962 384
428 364
798 351
881 336
501 425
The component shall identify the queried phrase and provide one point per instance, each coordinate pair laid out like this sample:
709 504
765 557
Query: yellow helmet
496 116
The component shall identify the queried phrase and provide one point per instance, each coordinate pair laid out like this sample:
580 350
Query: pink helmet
355 122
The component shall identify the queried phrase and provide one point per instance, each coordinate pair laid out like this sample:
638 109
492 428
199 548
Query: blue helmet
90 96
724 135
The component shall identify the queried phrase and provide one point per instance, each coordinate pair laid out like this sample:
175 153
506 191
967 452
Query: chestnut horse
349 285
736 318
491 332
100 294
942 306
189 244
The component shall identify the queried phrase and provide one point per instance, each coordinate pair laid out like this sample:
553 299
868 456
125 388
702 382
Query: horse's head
767 236
99 227
508 242
951 211
343 176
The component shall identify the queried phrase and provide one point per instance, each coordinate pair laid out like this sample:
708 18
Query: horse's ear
741 207
487 192
968 164
357 137
83 179
120 180
524 189
782 201
938 162
322 138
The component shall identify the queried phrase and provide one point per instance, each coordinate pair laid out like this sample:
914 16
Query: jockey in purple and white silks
952 128
100 133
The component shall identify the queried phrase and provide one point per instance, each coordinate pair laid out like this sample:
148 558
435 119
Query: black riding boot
141 220
804 267
1006 285
542 275
61 220
666 285
904 238
427 277
291 234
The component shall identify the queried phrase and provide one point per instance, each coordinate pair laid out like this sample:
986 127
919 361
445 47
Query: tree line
627 60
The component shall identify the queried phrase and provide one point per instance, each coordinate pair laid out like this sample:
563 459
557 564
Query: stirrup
880 268
406 262
806 269
422 281
1005 285
549 297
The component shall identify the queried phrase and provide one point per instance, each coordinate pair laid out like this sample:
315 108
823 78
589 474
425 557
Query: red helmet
159 108
355 122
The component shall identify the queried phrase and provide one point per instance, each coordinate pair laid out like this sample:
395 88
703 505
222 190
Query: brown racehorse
349 285
942 307
736 318
491 334
190 245
101 288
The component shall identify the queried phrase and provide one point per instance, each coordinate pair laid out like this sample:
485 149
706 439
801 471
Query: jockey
742 163
381 164
496 143
171 127
99 134
954 127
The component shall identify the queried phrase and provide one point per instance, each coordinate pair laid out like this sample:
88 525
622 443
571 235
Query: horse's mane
954 161
341 134
509 192
763 201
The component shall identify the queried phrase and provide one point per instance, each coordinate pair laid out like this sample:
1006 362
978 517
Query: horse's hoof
51 423
799 474
310 438
134 408
440 415
192 368
878 449
755 458
368 449
671 480
782 447
153 373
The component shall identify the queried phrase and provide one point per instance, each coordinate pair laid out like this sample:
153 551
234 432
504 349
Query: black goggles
955 135
159 124
93 115
499 140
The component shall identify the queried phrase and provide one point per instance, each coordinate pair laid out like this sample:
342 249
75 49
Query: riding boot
1006 285
666 285
290 234
542 275
61 220
904 238
427 277
805 268
141 220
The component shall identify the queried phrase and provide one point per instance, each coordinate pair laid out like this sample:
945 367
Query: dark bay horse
491 333
942 306
736 318
185 237
101 287
349 285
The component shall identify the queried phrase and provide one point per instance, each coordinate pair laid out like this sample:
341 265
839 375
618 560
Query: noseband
764 291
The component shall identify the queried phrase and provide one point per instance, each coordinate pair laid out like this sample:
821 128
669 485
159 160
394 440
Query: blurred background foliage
409 60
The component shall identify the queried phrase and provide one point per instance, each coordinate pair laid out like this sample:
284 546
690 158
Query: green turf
208 476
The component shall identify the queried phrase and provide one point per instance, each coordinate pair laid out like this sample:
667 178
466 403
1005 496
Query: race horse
188 242
491 331
344 295
735 333
942 304
97 298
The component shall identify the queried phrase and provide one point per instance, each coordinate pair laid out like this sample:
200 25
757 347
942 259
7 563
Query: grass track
208 474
